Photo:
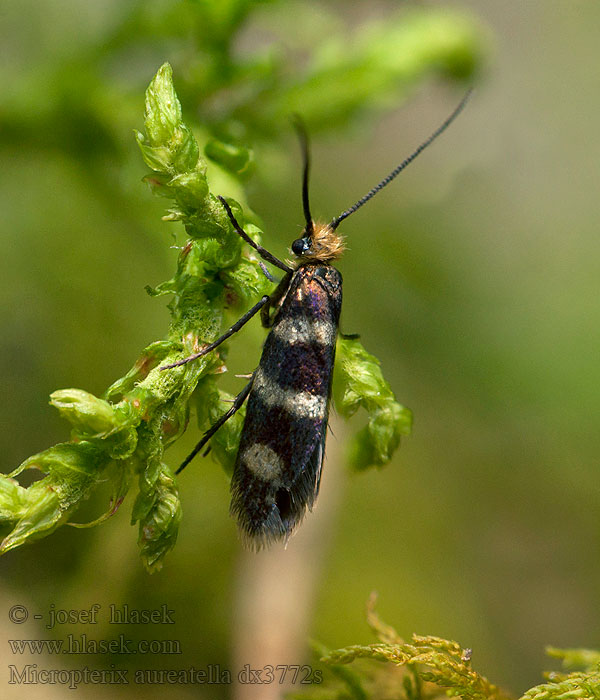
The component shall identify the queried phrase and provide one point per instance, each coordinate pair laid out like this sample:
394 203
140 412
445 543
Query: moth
278 467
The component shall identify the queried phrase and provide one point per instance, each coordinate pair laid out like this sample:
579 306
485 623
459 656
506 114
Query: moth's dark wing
278 468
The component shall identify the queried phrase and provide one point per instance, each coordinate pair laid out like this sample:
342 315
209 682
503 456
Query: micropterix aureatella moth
278 466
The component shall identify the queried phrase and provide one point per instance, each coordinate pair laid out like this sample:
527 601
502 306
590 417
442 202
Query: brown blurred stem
276 587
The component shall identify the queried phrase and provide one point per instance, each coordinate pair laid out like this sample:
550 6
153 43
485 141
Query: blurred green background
473 278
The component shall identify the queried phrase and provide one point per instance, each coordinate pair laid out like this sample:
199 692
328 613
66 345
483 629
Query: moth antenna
398 169
304 147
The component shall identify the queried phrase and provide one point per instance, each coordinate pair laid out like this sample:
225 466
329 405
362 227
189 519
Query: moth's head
320 243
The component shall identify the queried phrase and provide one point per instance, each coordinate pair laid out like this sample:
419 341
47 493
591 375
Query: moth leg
263 252
266 272
237 404
350 336
234 329
274 299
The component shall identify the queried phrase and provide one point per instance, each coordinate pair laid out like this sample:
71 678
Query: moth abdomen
278 469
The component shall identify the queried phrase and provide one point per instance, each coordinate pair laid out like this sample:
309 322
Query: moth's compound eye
300 246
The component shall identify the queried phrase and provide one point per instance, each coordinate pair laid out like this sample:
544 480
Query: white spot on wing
302 330
263 462
300 404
